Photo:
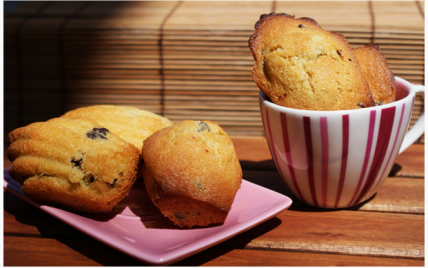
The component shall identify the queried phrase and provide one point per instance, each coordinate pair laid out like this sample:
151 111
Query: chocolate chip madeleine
130 123
76 164
377 73
192 172
300 65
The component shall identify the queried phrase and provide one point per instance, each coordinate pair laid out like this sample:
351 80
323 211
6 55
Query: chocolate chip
301 26
202 126
338 52
361 105
97 133
181 216
88 179
77 163
113 183
178 216
102 130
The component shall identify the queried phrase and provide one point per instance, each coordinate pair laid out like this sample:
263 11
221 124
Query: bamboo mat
181 59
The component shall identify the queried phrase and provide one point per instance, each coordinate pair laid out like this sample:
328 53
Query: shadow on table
49 227
265 174
261 173
236 242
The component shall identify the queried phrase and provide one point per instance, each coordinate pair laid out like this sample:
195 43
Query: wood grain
386 230
238 257
353 233
25 251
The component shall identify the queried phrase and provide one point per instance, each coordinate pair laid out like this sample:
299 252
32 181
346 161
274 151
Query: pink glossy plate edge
257 210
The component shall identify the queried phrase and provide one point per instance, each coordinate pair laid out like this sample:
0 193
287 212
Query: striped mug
338 159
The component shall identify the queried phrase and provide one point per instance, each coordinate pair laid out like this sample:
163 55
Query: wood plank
396 195
29 251
353 233
251 151
403 195
369 234
348 236
223 256
411 162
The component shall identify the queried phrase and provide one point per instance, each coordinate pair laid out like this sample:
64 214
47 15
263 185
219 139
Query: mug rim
267 102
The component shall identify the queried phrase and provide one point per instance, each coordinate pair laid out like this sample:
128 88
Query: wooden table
388 230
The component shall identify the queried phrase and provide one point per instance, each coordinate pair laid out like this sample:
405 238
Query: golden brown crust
130 123
192 172
377 73
301 65
73 163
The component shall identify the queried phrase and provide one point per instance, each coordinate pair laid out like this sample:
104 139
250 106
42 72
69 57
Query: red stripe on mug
393 145
270 140
367 155
310 157
287 151
274 154
344 161
384 135
325 159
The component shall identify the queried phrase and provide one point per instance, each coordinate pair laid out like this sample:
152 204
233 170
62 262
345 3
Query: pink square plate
137 228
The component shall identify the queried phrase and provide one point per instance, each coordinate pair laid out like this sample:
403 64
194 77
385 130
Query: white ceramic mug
338 159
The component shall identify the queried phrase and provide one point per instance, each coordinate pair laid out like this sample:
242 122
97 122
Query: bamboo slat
182 59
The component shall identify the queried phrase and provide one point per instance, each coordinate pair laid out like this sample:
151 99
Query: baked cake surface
130 123
192 172
76 164
377 73
300 65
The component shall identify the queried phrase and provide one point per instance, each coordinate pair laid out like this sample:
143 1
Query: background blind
180 59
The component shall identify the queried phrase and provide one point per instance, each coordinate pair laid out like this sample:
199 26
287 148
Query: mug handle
417 129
